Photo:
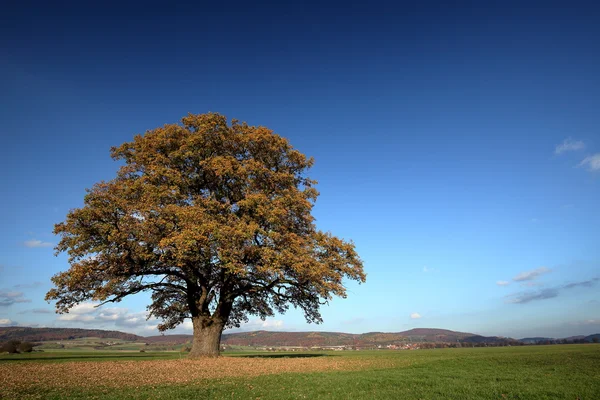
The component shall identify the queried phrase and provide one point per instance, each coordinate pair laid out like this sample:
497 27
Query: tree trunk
207 337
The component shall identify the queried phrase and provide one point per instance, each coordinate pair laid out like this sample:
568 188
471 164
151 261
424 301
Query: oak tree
214 220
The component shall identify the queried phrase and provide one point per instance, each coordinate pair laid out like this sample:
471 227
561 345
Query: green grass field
528 372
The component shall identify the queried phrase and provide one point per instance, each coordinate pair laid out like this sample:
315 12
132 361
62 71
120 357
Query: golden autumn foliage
214 219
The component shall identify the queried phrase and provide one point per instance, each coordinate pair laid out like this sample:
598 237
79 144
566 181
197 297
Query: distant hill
447 336
591 338
535 340
310 339
255 338
571 338
270 338
575 339
51 334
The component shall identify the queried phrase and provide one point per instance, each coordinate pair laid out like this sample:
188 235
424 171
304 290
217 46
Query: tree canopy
214 219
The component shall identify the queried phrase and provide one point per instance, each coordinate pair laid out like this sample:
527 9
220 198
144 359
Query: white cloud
6 322
569 145
112 314
255 325
187 325
118 318
591 322
84 308
123 317
426 269
260 324
12 294
150 329
132 320
8 298
415 315
502 283
76 317
272 324
526 297
34 243
80 313
531 275
548 293
591 162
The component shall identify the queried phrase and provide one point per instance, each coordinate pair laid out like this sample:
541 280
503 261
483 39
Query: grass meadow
527 372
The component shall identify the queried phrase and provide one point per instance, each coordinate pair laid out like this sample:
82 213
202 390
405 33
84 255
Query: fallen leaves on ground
17 377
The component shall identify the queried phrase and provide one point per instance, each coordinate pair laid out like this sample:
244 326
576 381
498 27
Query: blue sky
458 147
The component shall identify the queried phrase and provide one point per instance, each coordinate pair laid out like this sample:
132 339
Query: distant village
412 346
